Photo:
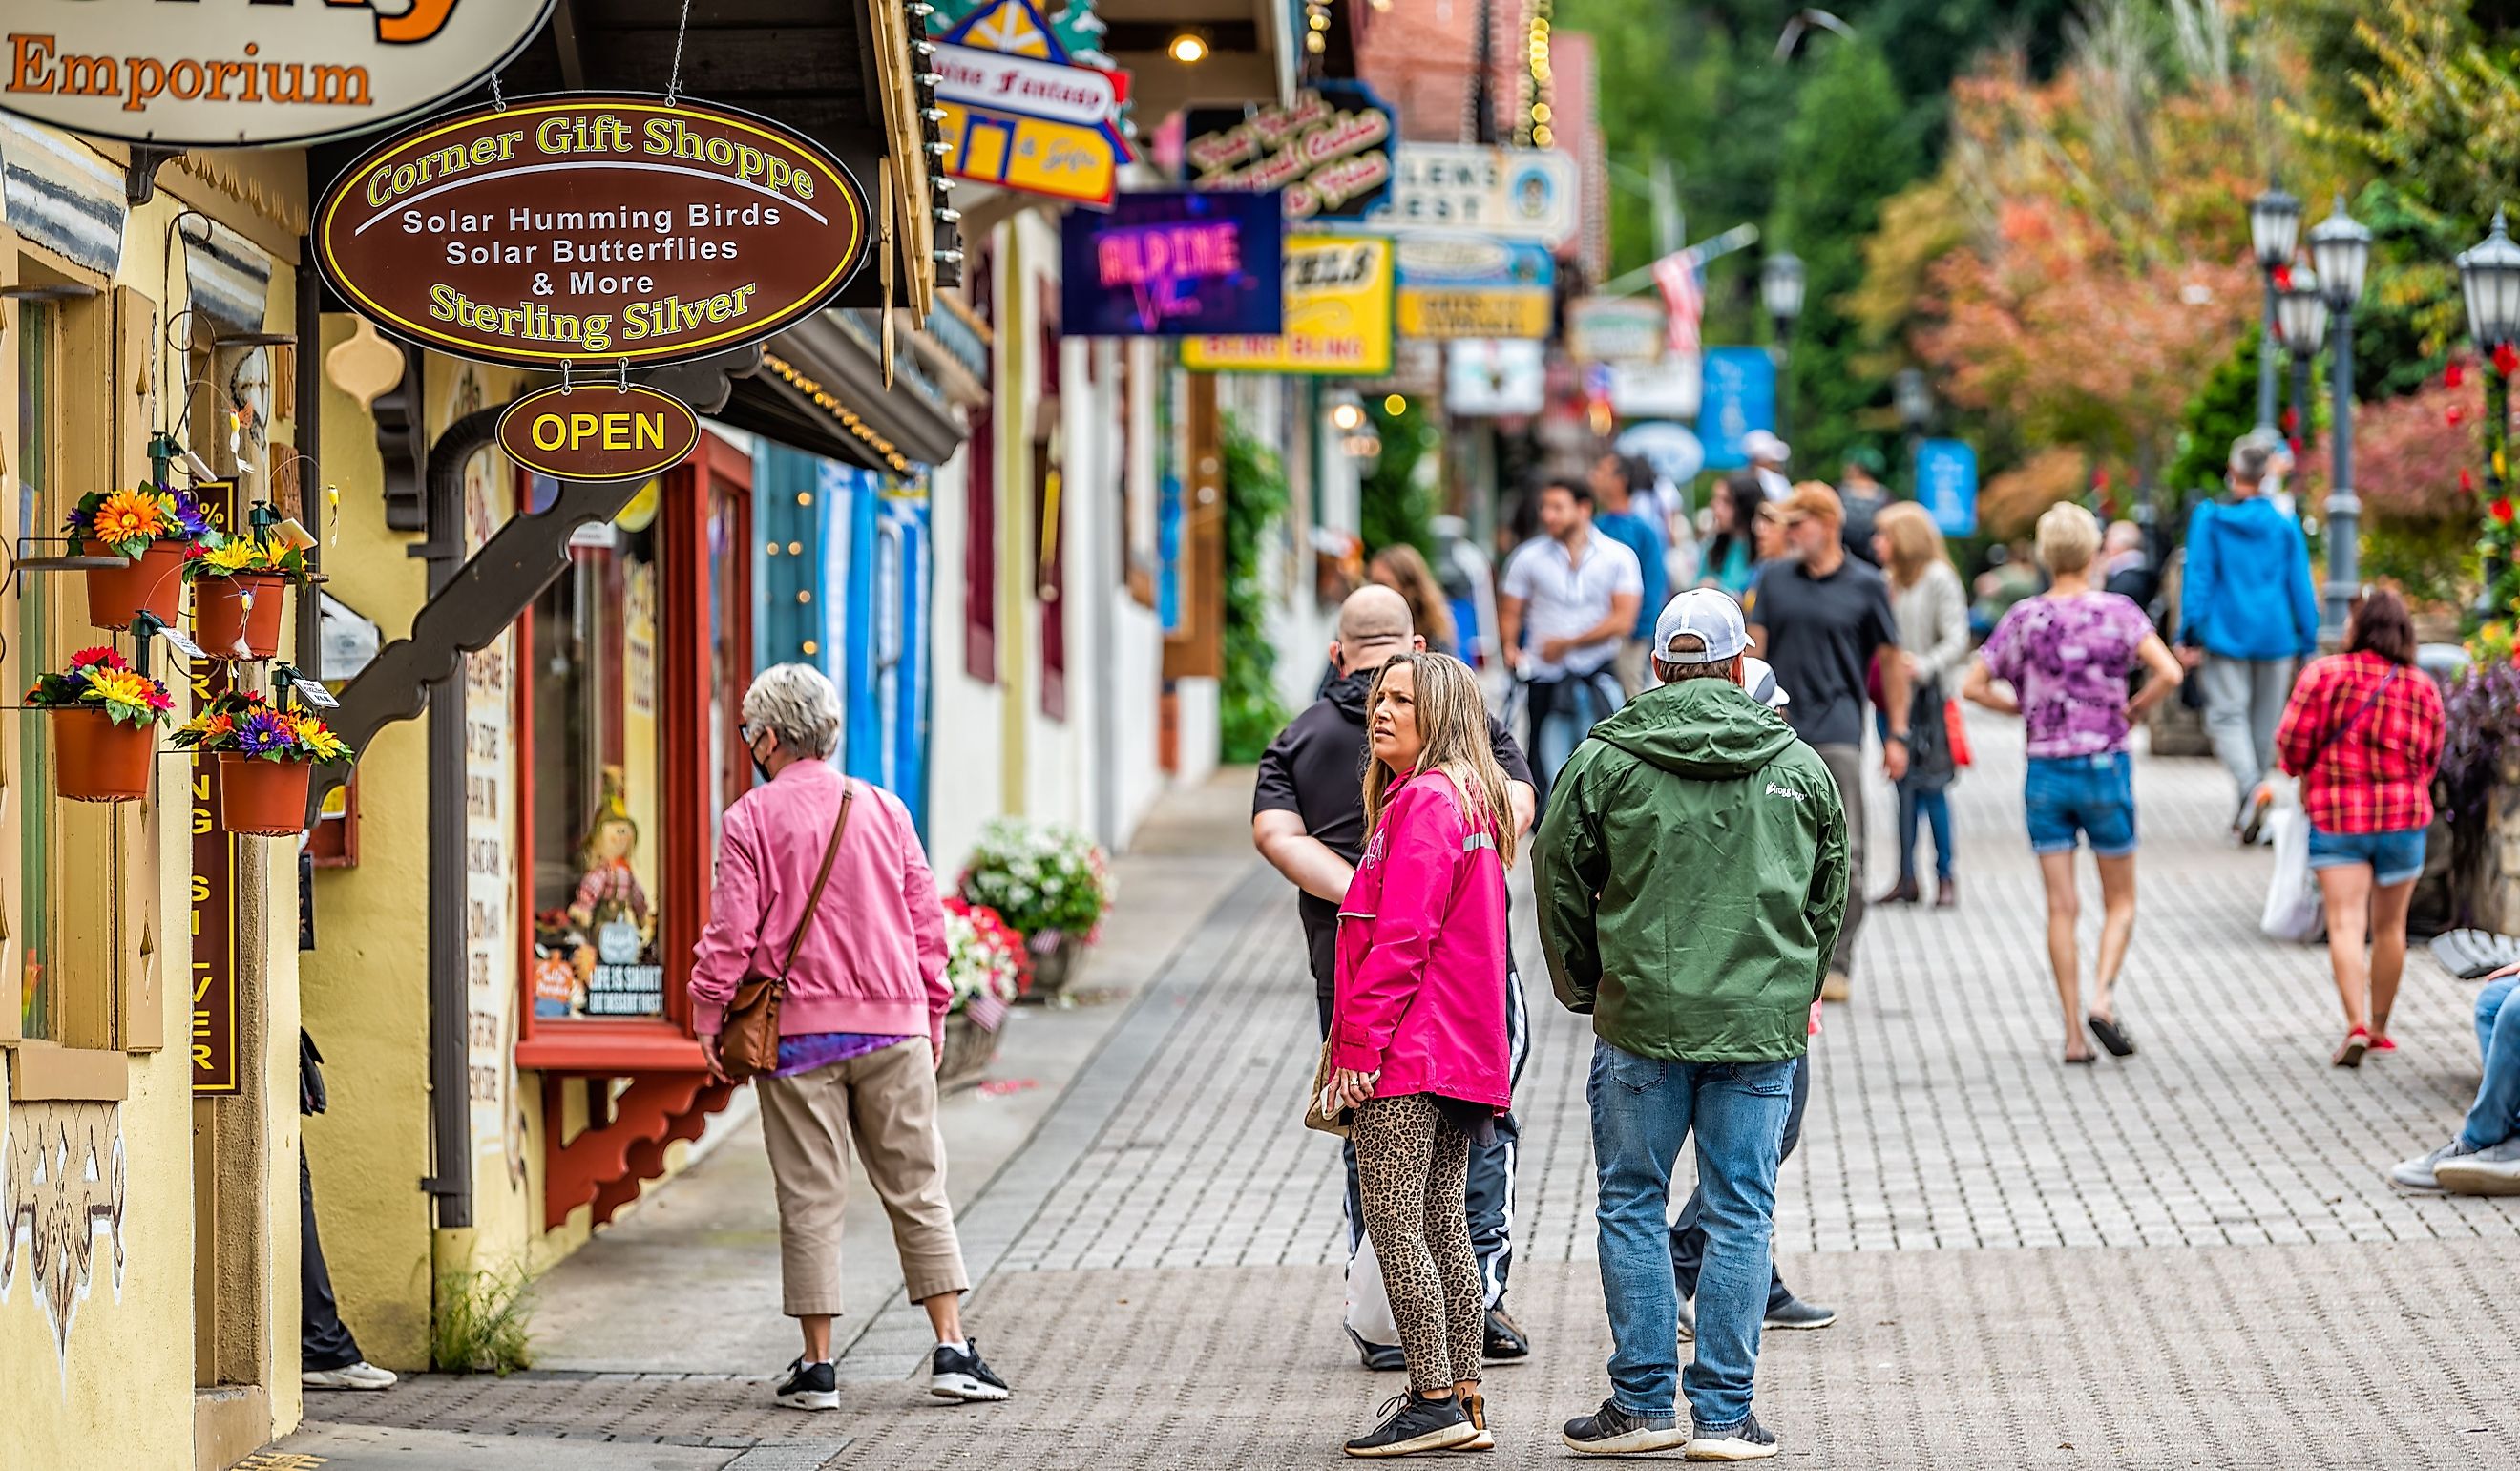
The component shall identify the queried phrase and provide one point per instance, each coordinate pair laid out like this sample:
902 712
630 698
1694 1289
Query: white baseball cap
1759 444
1760 680
1712 616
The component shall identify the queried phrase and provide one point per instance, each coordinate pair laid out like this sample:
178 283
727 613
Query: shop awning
821 389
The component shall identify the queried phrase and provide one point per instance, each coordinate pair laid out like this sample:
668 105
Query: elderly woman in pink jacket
1418 1030
860 1027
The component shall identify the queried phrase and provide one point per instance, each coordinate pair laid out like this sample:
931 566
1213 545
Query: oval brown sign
592 227
599 432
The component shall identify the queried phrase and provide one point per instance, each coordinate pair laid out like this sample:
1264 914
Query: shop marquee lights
847 416
1534 127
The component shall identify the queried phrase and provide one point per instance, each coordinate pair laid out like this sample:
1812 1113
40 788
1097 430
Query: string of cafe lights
1316 27
1533 129
847 416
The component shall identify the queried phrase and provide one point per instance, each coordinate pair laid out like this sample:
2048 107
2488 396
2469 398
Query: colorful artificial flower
99 678
245 723
237 556
2507 359
2454 375
2501 510
128 516
129 521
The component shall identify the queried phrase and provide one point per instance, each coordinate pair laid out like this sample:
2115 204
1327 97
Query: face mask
758 770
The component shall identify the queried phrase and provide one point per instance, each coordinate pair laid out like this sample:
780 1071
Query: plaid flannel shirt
2377 776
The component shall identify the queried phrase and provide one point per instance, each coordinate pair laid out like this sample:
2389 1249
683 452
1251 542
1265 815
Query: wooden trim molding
41 1070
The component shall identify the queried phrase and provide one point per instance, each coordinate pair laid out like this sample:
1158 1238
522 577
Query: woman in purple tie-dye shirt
2066 655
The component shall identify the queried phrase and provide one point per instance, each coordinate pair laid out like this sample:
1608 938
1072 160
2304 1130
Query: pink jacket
1421 953
875 958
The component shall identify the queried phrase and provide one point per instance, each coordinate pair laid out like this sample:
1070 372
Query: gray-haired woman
867 987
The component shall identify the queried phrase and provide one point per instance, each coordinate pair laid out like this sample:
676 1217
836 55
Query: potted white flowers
986 966
1051 883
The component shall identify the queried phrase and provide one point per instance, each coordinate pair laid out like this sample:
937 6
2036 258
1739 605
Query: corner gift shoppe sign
231 74
591 228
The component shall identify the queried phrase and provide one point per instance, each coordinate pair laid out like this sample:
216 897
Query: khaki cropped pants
887 1101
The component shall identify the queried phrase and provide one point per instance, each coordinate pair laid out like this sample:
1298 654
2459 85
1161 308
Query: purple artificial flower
189 517
259 733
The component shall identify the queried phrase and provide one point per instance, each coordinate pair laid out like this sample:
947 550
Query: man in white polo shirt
1573 592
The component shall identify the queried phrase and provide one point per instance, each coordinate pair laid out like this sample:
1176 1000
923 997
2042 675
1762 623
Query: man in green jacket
1692 875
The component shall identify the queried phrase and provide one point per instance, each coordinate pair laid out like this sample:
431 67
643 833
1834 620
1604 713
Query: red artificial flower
2507 359
2283 277
2454 375
2455 414
2468 481
103 655
2501 510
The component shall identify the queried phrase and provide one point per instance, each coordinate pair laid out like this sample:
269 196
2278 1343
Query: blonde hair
1402 568
1916 542
1453 721
2069 536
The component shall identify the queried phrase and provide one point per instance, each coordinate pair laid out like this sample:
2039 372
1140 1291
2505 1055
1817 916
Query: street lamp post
2489 277
1781 291
2341 248
2275 225
1914 400
2301 310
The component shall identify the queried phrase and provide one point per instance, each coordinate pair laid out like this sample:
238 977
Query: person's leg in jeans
1740 1112
1640 1118
1846 767
1550 745
2226 686
1689 1230
1911 812
1936 807
2496 1114
323 1339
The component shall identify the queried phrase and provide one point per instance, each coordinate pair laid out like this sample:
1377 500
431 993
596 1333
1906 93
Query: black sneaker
1382 1357
809 1386
1612 1431
1414 1424
1748 1440
1794 1313
1506 1338
960 1374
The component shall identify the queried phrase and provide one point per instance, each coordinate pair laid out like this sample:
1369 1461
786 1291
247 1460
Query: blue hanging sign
1739 394
1172 263
1946 484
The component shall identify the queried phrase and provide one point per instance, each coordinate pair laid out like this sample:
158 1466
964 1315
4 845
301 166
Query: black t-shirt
1822 636
1316 770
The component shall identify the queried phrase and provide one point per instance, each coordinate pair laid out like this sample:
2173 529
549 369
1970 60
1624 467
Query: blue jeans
2496 1114
1933 807
1643 1112
1562 713
1689 1232
2067 797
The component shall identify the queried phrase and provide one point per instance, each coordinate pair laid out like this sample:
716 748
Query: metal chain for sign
621 385
498 98
566 386
674 81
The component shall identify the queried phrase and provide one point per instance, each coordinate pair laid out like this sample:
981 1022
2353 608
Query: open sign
599 432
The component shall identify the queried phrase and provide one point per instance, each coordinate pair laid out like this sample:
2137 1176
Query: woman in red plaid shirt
2364 734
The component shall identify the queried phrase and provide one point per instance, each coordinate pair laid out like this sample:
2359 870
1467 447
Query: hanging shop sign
251 75
1616 329
1338 314
1022 110
214 1033
599 432
1172 263
1330 154
1501 377
1667 388
1510 192
1737 394
591 227
1468 286
1946 484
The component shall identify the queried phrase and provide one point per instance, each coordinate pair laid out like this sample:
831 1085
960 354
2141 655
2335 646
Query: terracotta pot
969 1048
226 627
153 583
97 759
266 797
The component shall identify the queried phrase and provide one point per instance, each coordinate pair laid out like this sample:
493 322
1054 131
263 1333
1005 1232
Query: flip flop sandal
2112 1036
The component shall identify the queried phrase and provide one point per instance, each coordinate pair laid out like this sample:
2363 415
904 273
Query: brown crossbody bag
748 1044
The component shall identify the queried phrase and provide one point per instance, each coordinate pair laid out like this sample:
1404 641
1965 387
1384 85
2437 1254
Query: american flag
988 1013
1684 301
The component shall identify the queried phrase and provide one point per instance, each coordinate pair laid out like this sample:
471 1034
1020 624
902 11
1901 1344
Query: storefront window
598 788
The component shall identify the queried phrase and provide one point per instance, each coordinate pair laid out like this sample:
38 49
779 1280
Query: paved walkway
2185 1260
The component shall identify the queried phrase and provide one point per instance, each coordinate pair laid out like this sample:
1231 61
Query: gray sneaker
2417 1175
1687 1321
2494 1170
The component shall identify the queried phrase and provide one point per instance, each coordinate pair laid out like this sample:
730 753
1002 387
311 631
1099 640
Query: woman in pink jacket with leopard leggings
1418 1031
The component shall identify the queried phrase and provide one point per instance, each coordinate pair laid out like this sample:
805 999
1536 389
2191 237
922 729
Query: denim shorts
2069 797
2394 857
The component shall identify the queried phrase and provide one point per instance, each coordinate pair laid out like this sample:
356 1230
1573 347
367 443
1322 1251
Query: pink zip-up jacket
1421 952
874 960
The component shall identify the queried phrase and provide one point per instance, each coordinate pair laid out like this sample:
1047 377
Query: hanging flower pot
259 795
105 726
237 617
153 583
156 529
265 755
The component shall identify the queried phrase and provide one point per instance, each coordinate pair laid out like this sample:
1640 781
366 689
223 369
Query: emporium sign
604 226
1331 152
601 432
232 73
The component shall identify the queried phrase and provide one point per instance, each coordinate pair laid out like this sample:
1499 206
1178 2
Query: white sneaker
2494 1170
2417 1176
359 1375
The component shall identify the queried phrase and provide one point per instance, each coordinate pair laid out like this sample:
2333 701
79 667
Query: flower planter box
99 759
1054 957
153 583
239 617
969 1048
267 798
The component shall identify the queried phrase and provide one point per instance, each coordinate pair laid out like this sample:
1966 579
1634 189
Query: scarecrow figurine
610 907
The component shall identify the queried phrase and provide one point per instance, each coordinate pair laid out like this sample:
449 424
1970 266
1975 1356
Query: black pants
1689 1238
323 1338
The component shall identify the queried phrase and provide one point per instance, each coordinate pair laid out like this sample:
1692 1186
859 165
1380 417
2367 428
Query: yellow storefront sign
1445 313
1063 159
1338 315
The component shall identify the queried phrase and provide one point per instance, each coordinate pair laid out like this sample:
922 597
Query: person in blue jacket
2247 615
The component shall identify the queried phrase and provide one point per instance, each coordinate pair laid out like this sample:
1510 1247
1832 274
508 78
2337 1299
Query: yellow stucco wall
96 1344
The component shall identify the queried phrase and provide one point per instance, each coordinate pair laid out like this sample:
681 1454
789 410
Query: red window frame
981 504
694 717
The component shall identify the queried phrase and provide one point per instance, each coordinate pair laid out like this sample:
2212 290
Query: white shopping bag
2293 909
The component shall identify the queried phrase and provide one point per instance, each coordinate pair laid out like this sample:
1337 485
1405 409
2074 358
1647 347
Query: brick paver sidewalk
2189 1259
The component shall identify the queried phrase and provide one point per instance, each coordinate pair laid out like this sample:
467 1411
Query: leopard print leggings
1412 1165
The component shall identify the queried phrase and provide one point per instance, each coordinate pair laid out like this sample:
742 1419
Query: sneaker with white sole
960 1374
1748 1440
1794 1313
2493 1170
1413 1424
1483 1439
1612 1431
2418 1176
809 1386
359 1375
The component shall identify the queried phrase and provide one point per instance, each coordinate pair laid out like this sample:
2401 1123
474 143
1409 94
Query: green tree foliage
1397 501
1255 496
1850 145
2225 407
